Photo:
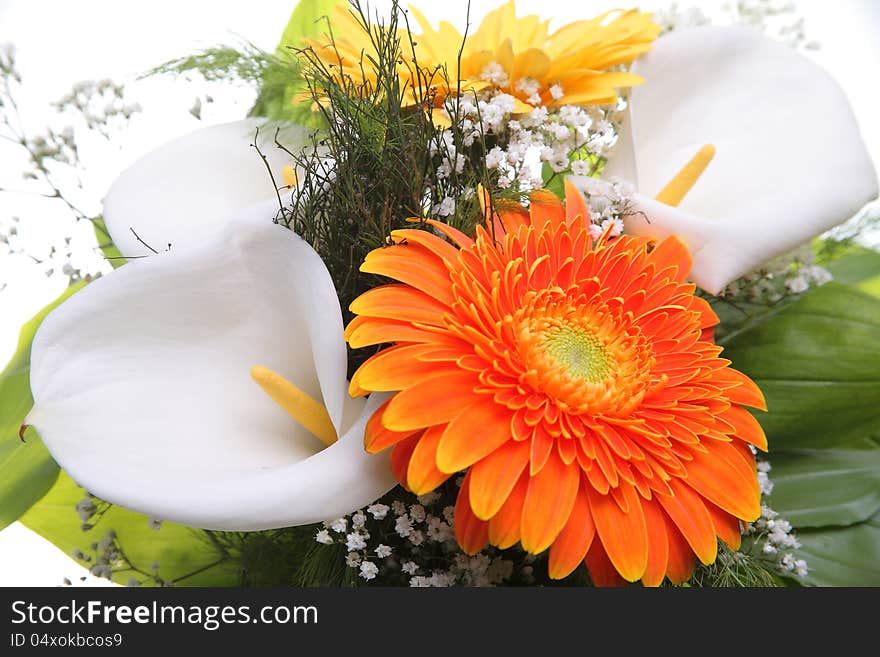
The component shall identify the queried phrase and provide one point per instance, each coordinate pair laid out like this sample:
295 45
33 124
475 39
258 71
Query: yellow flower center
579 351
582 354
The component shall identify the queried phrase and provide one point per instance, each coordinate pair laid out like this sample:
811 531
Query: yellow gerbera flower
519 56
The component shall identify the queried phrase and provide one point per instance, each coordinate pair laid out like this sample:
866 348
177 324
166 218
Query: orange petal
401 455
471 532
400 302
570 547
413 265
747 427
575 203
436 245
477 431
364 331
511 216
541 446
433 401
623 534
708 318
671 252
746 392
452 233
548 503
658 544
680 566
545 207
500 215
504 527
602 571
493 478
688 513
422 474
722 477
398 368
377 437
726 526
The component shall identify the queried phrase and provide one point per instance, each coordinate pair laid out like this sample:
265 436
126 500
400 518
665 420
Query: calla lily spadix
166 386
789 161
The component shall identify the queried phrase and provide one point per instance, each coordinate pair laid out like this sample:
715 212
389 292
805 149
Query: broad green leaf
859 267
822 487
179 550
276 99
27 470
817 360
105 243
842 556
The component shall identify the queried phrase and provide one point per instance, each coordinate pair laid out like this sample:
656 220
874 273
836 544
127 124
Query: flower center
579 351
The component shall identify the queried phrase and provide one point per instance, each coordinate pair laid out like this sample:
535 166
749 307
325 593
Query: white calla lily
789 163
142 381
192 185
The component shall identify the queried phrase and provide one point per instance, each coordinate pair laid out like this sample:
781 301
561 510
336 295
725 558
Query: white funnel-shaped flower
789 163
142 381
196 183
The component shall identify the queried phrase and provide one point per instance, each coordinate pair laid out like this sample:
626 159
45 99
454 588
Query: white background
60 42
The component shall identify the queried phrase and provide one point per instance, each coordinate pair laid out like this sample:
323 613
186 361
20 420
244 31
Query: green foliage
817 360
818 487
553 181
859 267
309 20
738 315
381 163
278 94
292 557
222 64
734 569
276 76
843 556
186 556
28 470
272 75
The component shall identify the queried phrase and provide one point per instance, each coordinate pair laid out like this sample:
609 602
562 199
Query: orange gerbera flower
573 65
575 383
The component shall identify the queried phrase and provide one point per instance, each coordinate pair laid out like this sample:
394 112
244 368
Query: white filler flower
789 161
160 387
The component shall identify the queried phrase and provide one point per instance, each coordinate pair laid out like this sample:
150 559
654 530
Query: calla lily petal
143 391
790 161
195 184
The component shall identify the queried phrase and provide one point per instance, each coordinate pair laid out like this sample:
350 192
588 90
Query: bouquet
502 303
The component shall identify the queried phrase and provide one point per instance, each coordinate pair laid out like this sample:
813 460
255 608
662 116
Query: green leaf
820 487
279 87
27 471
553 181
105 243
179 550
817 360
859 267
842 556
